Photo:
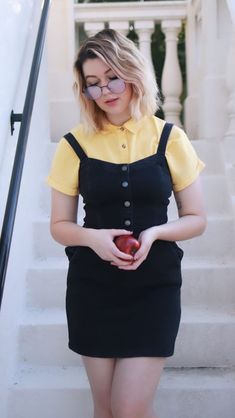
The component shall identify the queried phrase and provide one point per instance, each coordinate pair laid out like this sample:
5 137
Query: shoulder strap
164 138
76 146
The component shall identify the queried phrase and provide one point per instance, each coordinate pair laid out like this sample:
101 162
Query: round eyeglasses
95 92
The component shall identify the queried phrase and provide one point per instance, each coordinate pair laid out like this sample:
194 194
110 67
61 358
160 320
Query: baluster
122 27
144 30
171 76
230 83
92 28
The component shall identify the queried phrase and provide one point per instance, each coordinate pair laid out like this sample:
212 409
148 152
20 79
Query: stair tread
190 314
75 377
52 263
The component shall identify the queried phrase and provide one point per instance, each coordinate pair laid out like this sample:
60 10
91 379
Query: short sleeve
63 175
183 161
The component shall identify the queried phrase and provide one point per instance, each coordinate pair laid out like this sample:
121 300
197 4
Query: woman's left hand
146 239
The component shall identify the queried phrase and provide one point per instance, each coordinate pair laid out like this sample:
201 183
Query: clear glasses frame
94 92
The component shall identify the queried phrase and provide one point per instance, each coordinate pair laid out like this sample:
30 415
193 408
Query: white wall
209 29
19 25
64 110
18 19
15 17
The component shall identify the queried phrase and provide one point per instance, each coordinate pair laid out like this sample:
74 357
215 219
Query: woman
123 311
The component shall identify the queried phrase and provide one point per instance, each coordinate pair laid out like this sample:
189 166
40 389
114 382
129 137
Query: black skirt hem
82 352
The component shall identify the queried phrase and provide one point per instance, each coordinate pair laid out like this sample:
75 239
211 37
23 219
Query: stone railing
210 55
210 44
144 15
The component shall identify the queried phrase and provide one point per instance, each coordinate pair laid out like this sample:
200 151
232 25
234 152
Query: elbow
202 224
53 231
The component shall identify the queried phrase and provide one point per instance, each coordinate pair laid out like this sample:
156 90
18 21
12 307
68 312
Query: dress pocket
177 250
70 251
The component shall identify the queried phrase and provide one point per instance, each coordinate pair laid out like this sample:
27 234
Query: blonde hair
126 61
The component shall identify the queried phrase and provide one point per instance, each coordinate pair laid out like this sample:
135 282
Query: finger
133 266
117 253
117 232
126 263
140 253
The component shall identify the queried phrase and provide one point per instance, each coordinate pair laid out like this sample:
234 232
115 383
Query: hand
146 239
103 244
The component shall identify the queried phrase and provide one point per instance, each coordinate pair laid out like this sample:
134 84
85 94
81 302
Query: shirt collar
131 125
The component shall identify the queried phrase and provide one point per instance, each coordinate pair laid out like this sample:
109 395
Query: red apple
127 244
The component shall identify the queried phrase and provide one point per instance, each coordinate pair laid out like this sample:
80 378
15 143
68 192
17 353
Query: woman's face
115 105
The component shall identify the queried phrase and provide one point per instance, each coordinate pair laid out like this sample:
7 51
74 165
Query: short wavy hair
127 63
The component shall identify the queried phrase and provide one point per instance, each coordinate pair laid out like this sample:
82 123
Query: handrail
14 189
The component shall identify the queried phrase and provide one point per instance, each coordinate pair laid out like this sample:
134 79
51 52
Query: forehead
95 67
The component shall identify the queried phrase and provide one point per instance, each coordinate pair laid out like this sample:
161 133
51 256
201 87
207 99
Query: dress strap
164 138
76 146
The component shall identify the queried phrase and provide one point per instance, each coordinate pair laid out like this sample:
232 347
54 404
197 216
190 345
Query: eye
90 85
113 78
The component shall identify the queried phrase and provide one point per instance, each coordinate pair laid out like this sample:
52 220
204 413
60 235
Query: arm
191 222
64 229
192 216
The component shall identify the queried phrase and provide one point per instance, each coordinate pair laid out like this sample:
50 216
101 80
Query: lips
111 100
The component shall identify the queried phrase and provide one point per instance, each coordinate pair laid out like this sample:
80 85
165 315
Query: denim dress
113 312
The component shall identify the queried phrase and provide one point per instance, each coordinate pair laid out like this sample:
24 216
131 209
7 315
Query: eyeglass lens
115 86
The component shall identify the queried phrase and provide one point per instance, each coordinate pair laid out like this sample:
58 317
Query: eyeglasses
95 92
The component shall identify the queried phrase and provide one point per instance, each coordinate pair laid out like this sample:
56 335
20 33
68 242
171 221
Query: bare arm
64 229
192 215
191 222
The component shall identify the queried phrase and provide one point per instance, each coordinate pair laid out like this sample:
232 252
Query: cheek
128 92
99 103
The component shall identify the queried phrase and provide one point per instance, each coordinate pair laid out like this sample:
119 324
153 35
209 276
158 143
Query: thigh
100 374
134 384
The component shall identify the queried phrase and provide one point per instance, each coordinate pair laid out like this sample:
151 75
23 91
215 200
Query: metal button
127 203
124 146
124 167
124 183
122 128
127 222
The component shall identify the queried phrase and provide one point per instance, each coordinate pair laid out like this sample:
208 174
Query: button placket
124 143
126 197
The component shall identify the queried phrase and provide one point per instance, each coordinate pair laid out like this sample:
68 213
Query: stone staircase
198 382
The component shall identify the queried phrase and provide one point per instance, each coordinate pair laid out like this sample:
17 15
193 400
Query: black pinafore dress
113 312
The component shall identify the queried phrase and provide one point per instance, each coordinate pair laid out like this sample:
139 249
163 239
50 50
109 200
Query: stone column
93 27
122 27
144 30
61 54
192 38
171 76
212 97
230 84
229 138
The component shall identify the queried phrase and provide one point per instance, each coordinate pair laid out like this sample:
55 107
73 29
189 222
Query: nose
105 90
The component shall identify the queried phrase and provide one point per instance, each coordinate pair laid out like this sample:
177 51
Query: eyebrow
87 76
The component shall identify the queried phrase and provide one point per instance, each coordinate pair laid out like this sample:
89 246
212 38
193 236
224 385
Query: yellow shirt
125 144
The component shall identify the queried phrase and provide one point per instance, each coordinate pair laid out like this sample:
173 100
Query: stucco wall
19 25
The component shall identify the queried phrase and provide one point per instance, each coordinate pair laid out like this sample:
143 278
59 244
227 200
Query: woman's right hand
102 242
65 230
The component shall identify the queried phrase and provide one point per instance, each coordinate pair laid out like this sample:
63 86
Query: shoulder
64 148
156 124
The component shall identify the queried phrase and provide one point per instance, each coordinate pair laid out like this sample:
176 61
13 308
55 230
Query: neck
118 120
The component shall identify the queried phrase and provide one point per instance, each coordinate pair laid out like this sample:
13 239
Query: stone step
62 392
206 339
218 240
209 283
230 170
216 203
